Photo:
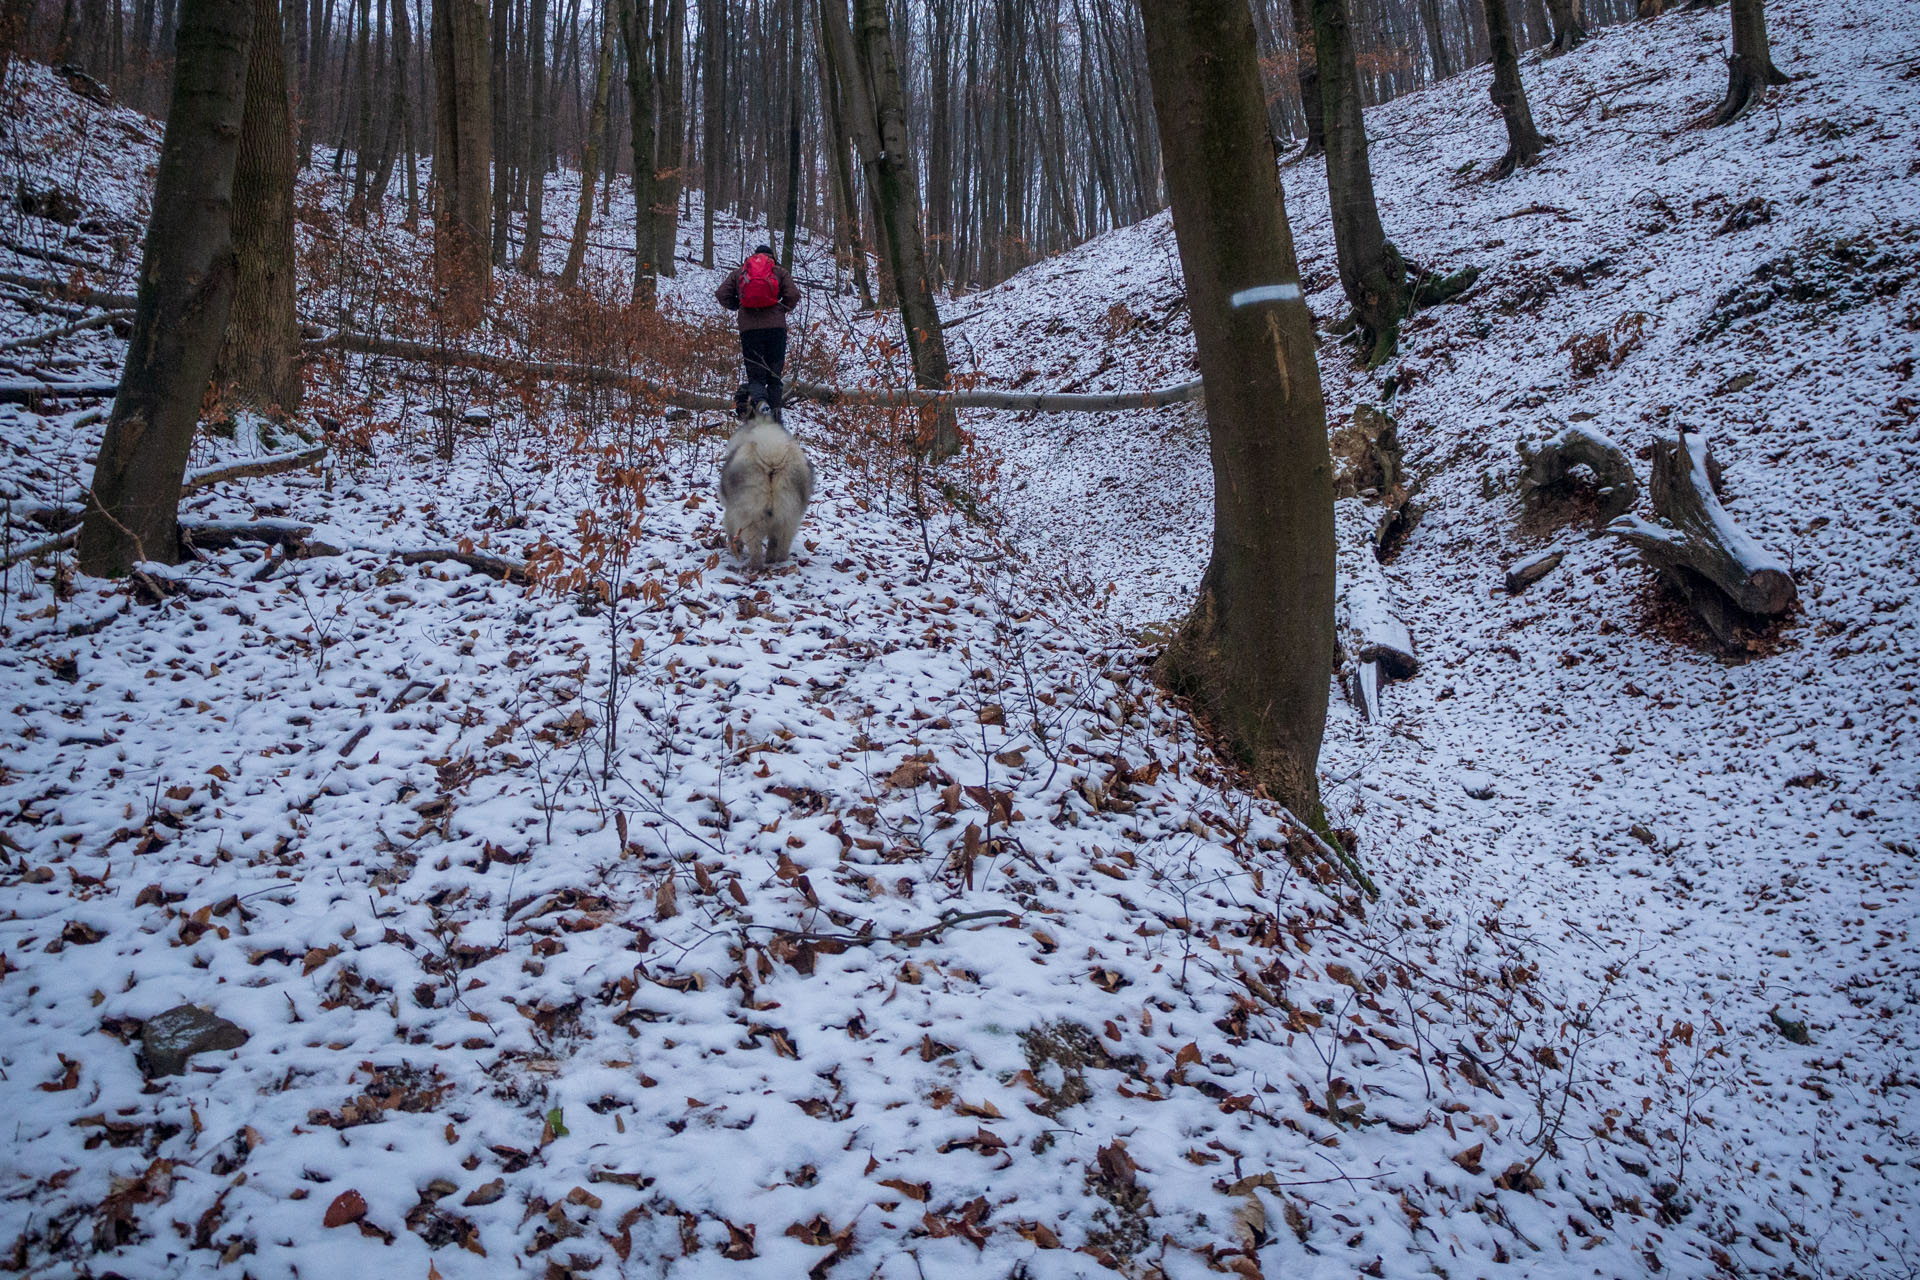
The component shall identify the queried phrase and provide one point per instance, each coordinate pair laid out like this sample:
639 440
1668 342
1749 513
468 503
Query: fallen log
1732 582
96 321
71 292
1380 644
272 464
887 397
1550 466
1526 572
506 570
32 393
214 535
41 548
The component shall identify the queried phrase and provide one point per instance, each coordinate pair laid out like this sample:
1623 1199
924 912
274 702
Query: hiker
762 291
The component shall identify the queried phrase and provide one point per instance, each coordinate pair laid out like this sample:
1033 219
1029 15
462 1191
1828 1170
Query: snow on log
208 535
1525 573
882 397
1371 632
1550 466
32 393
271 464
1730 580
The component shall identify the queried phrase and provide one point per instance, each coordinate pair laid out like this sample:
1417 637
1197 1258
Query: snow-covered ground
883 920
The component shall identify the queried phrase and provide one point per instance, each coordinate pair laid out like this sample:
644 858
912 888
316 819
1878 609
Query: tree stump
1370 629
1550 466
1732 582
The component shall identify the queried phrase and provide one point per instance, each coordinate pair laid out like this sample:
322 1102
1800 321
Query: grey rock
168 1039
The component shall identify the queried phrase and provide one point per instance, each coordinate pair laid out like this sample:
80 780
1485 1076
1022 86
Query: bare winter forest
1342 704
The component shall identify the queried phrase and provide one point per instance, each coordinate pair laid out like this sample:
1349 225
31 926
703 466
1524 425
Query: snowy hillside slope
1688 843
934 943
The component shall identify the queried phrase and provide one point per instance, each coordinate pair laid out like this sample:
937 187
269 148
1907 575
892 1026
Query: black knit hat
764 248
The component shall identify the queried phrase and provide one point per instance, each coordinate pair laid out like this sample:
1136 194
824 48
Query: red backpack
759 283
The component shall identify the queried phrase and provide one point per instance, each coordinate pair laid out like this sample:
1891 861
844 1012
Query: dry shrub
1589 353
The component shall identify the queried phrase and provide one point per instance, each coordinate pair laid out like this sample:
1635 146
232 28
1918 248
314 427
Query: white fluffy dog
765 482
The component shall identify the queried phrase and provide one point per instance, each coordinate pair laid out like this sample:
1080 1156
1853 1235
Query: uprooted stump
1548 468
1733 583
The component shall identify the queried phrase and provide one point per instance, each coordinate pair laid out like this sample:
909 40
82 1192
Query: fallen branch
41 548
272 464
506 570
67 330
213 535
32 393
892 397
905 938
68 291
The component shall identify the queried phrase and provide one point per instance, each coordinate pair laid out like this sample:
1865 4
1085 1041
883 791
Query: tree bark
798 11
835 98
186 290
462 159
1256 652
259 363
1751 68
536 137
1524 142
1372 272
590 162
896 188
637 21
673 144
1568 30
1307 73
712 32
1436 38
397 104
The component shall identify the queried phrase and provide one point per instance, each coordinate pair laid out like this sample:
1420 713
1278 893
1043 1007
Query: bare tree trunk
15 18
462 160
1371 270
186 290
1307 71
259 363
712 32
362 114
1436 38
1568 31
1751 68
1257 650
536 136
590 162
673 148
637 21
798 11
837 97
500 121
896 190
1524 142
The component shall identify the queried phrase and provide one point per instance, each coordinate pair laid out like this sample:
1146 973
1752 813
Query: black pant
765 352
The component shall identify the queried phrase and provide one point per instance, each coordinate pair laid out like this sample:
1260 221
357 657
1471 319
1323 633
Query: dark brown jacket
728 295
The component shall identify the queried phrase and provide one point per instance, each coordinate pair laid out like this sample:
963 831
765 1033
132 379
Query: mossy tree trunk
1524 142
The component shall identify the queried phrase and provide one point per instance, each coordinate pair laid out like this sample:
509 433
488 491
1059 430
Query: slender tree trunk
590 162
797 36
462 156
712 32
1257 650
838 98
502 107
1524 142
1568 30
637 20
1436 38
1371 270
673 140
363 158
397 105
536 136
186 290
1307 67
312 71
259 363
1751 68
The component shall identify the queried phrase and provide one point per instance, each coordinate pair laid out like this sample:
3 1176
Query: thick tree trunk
462 157
836 98
637 22
1524 142
590 162
186 290
1307 72
1732 582
1372 272
896 189
15 18
1257 651
536 137
259 363
1568 30
1751 68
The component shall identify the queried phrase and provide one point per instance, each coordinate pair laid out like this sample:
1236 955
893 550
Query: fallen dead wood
95 321
1732 582
1370 629
506 570
890 397
32 393
1549 466
41 548
70 292
213 535
905 938
272 464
